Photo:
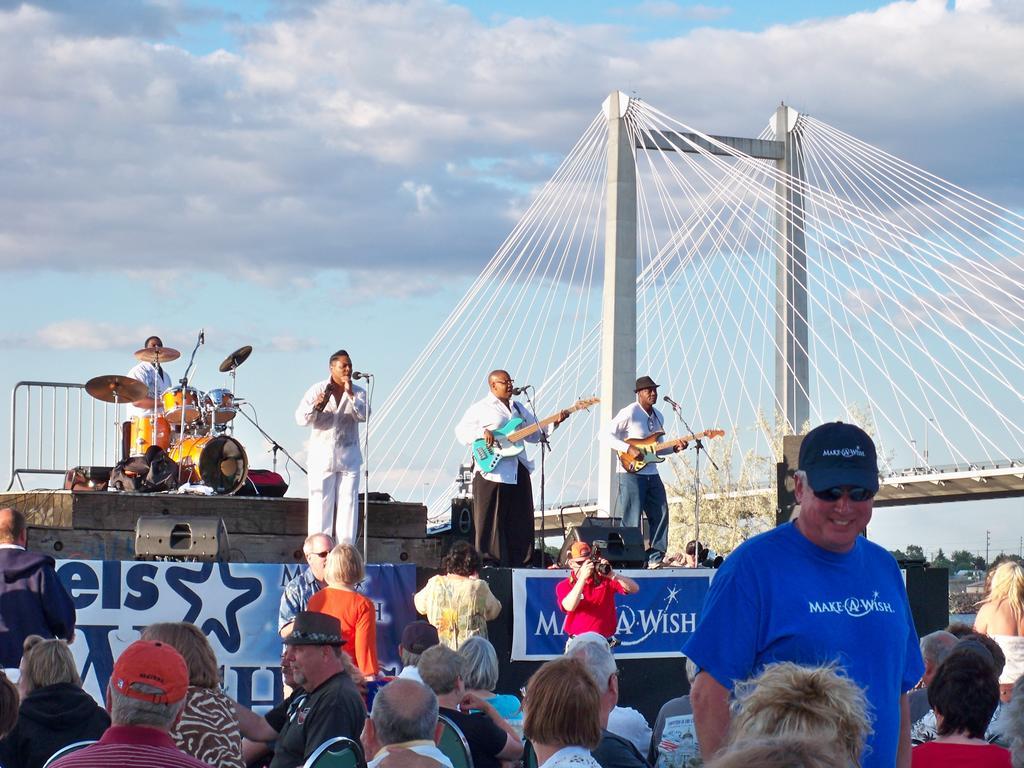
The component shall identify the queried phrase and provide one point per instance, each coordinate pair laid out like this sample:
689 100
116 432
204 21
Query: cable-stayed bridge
798 276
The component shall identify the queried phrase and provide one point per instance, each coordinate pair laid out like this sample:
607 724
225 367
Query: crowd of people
816 663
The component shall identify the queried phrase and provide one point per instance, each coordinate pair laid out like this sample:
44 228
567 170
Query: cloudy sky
287 173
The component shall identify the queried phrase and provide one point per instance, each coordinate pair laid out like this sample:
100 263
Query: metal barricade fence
56 426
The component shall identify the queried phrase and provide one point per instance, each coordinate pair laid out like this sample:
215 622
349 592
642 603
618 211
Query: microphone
360 375
202 336
323 404
670 401
520 390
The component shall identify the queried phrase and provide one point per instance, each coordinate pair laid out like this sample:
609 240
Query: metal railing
58 425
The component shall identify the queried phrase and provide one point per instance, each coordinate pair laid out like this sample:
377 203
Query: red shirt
358 619
596 611
935 754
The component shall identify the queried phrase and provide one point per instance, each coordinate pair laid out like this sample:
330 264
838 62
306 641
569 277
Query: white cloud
423 194
79 334
297 151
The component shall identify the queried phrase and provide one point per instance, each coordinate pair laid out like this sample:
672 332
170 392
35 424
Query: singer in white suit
334 408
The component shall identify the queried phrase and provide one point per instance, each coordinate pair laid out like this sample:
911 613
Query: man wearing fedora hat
333 706
641 490
814 591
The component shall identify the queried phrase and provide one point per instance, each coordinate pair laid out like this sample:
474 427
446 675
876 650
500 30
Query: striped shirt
131 746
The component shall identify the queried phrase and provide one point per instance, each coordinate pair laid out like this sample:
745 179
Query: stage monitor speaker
462 518
621 546
181 538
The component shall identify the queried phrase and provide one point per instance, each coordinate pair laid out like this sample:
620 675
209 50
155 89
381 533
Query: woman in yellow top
358 617
458 602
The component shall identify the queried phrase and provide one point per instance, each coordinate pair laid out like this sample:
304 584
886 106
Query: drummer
156 380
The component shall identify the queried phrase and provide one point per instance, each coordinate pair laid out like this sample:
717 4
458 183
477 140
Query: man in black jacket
32 599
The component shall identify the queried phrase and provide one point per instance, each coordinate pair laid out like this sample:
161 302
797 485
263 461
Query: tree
737 501
964 560
941 561
914 552
898 554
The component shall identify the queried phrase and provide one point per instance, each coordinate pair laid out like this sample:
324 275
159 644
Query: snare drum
142 433
219 406
177 400
219 462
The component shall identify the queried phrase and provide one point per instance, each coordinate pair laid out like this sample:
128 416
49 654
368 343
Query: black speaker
785 494
462 518
181 538
621 546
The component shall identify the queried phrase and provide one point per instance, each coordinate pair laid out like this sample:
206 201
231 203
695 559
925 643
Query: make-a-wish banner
234 604
653 623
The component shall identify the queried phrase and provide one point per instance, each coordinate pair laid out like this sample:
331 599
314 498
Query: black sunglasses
836 493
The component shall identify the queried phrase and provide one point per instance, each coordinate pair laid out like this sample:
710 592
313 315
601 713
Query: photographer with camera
588 595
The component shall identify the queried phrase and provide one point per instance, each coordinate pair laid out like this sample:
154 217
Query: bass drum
219 462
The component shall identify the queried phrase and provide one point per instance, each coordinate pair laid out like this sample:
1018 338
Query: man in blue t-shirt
814 591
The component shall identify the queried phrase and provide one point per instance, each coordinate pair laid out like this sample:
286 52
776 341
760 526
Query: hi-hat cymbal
114 388
157 354
236 358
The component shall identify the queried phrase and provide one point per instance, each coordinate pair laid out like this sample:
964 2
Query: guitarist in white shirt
643 489
503 497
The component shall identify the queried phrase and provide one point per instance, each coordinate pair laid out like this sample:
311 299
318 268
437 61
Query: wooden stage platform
100 525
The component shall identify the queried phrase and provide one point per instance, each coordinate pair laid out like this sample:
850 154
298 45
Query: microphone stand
184 394
545 446
698 446
275 445
366 464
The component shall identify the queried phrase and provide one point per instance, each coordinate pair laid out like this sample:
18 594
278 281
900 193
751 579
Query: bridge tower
618 327
618 312
792 376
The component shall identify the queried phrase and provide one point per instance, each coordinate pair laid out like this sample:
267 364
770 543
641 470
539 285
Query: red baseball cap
580 549
154 664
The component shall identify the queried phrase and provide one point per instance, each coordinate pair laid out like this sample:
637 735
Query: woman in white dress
563 715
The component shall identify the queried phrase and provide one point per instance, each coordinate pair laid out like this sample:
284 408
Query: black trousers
503 519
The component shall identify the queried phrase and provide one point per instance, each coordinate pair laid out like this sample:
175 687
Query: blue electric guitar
508 441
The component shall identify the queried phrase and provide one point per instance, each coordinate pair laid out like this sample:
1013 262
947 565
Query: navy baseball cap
837 454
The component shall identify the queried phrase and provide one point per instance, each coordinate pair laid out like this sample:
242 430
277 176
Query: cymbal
106 387
157 355
236 358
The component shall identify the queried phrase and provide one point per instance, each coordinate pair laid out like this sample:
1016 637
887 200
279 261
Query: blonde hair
562 705
47 662
1008 585
810 702
188 640
778 752
344 567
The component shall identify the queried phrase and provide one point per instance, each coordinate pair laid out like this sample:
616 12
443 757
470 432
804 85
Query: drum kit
193 427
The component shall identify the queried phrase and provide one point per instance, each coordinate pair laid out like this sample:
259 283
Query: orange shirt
358 619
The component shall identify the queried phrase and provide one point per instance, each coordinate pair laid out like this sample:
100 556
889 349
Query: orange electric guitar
651 448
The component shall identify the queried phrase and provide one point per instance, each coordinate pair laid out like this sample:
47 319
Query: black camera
601 567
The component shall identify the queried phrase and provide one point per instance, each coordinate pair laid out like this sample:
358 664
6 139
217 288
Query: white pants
330 494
